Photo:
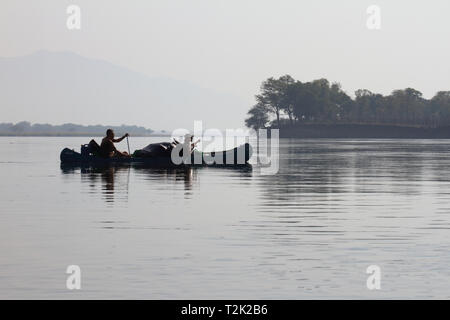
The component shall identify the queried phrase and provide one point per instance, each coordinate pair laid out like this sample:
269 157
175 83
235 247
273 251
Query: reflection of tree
320 169
303 171
329 190
384 166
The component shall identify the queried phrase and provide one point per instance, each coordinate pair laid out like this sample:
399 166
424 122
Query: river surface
334 208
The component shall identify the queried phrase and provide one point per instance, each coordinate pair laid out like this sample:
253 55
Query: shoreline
74 135
307 131
368 131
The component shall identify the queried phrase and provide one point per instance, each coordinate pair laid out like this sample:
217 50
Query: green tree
273 96
440 109
293 102
407 106
306 102
258 117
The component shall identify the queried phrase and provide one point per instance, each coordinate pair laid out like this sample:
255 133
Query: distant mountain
25 128
63 87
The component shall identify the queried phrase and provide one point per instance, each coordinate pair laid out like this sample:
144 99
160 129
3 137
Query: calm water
334 208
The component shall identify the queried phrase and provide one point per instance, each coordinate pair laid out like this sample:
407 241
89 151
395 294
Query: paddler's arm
195 143
120 139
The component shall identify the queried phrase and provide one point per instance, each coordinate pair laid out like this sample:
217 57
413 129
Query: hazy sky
232 45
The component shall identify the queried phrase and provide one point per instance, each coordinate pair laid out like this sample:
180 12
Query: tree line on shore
68 129
288 102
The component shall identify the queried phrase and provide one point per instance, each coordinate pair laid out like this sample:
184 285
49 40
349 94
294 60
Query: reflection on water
114 180
310 231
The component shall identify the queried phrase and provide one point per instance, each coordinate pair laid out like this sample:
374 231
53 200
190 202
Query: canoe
234 157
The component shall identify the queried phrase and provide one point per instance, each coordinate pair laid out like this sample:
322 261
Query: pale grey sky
232 45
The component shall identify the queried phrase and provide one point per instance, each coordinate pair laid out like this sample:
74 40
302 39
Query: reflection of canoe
233 157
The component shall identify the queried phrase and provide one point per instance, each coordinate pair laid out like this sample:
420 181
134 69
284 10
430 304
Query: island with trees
320 109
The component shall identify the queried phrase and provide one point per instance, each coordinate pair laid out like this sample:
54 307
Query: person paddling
107 148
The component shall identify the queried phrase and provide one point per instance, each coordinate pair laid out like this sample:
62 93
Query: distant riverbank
363 131
26 129
68 134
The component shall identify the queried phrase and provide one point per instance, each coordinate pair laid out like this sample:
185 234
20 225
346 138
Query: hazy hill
63 87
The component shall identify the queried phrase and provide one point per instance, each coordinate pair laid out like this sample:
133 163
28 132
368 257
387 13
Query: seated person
188 138
107 148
